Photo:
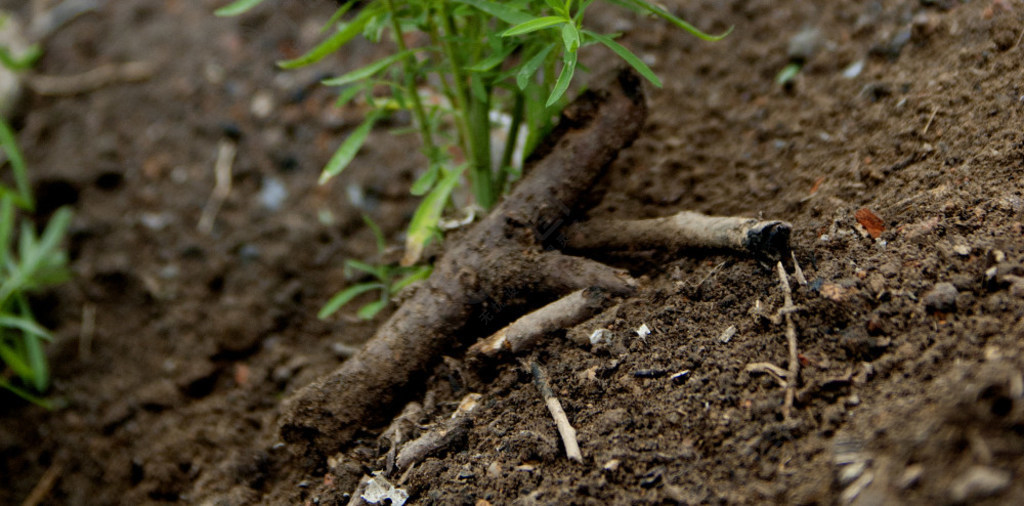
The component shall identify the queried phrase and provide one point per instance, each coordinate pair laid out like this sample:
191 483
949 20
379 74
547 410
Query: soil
175 347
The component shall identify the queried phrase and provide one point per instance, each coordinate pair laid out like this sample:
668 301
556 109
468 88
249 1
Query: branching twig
794 362
565 429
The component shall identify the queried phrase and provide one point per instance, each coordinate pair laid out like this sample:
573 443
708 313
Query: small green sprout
34 263
387 279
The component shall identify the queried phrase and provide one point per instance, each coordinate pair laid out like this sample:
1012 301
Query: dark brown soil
910 343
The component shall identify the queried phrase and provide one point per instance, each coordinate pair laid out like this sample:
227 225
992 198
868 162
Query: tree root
499 262
504 261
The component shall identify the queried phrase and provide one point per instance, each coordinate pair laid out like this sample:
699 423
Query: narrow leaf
370 310
237 7
424 222
644 6
43 403
570 37
564 78
498 10
347 94
344 297
341 37
373 270
367 71
9 144
378 234
420 273
336 17
626 55
493 60
533 25
24 324
531 66
424 183
348 149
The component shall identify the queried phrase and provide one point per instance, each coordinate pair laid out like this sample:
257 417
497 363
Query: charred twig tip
770 238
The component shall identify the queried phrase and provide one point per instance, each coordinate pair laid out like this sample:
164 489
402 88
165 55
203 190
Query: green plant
457 65
37 261
389 279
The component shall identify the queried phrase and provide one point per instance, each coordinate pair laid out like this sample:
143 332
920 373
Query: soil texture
896 153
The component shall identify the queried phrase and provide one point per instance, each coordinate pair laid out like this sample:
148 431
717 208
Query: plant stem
518 107
474 125
408 64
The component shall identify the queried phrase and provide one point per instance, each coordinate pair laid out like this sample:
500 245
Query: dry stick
99 77
770 369
499 261
226 151
684 230
794 362
565 430
524 333
87 330
45 484
441 436
931 118
798 273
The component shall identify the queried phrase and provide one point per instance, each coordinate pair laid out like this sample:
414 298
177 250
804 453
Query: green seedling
458 65
388 280
27 263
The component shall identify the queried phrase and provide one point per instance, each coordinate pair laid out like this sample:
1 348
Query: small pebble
941 298
978 483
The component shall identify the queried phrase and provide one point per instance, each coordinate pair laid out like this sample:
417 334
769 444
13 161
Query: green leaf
626 55
336 17
25 325
344 297
13 360
348 149
25 395
498 10
34 349
425 182
570 37
564 78
378 235
341 37
644 6
424 221
370 310
347 94
377 271
493 60
6 227
23 62
367 71
533 25
10 146
530 67
237 7
556 6
419 273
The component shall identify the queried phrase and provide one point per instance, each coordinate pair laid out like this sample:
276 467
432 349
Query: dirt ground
175 346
